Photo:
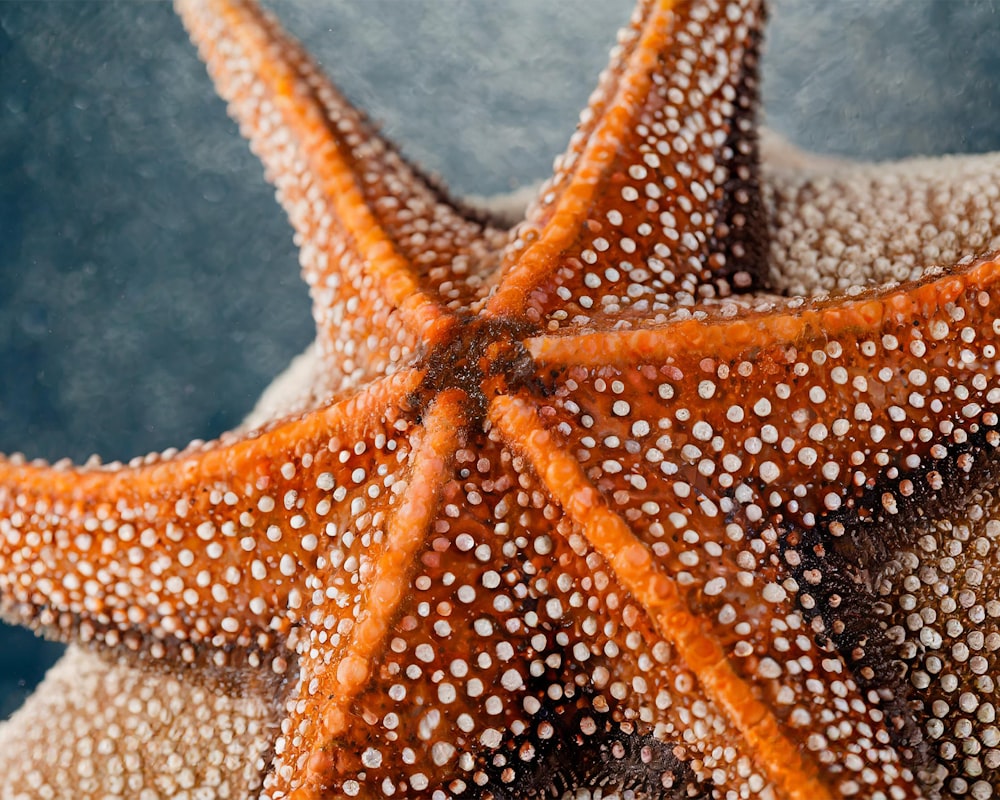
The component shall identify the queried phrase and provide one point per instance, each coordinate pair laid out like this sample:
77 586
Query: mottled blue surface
148 284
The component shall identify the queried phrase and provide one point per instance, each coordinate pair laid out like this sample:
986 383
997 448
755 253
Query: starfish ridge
585 504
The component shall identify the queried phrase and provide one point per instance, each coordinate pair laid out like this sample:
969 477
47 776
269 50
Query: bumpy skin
585 505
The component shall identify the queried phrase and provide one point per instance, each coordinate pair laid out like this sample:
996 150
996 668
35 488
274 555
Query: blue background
148 285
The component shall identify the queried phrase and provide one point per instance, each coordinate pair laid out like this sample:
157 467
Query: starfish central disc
481 356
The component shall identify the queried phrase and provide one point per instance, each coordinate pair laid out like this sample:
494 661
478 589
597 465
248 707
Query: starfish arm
659 183
843 427
660 595
856 224
939 604
333 674
468 692
200 554
887 369
381 250
729 331
701 627
98 728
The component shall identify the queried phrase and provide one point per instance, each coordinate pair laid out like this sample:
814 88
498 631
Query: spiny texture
109 730
619 500
839 225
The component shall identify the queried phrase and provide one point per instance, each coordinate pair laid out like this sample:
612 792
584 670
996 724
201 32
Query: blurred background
149 288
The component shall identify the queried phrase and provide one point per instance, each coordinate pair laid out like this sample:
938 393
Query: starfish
684 485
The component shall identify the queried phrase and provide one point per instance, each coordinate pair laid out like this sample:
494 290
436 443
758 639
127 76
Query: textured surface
150 734
917 253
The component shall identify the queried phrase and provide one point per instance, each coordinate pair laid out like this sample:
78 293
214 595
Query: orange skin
460 516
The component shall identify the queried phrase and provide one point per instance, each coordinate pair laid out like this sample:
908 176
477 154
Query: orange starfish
581 505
